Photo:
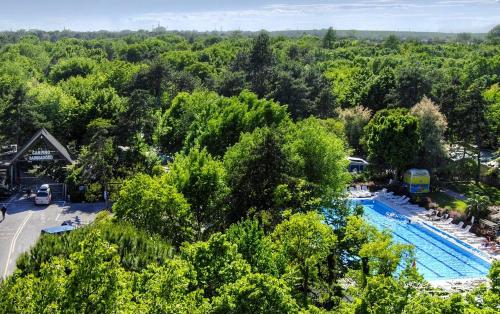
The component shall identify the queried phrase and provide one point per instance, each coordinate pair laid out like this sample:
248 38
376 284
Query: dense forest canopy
225 155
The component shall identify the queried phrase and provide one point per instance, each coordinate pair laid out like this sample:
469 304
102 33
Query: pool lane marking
437 247
14 239
418 248
449 245
444 241
456 241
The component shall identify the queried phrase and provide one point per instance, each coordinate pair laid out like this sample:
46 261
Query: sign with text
40 155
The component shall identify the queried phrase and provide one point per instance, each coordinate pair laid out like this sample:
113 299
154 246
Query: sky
253 15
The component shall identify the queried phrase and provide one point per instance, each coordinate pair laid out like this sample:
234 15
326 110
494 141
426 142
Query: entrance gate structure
41 148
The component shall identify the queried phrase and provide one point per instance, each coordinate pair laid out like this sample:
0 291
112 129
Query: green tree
376 92
494 34
305 242
152 204
255 293
318 157
98 159
202 181
255 167
474 111
433 126
464 37
385 294
354 119
167 289
477 205
392 139
234 116
216 262
329 38
260 64
253 245
96 282
494 276
411 84
138 117
77 66
375 251
492 97
391 42
186 119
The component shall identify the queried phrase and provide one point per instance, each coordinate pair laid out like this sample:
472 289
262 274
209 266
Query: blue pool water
437 258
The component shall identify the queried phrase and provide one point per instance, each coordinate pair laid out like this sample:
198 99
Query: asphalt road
24 221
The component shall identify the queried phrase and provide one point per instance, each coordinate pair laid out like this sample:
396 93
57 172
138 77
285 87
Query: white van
43 195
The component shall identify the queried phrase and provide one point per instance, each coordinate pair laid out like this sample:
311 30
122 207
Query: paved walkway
455 194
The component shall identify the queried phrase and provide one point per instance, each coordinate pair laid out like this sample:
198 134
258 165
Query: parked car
58 229
43 195
44 187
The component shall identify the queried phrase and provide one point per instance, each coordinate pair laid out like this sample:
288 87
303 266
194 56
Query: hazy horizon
450 16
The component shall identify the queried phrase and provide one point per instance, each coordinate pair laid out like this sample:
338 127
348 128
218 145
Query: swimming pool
437 258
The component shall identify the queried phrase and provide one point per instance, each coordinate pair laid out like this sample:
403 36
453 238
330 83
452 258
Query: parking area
24 221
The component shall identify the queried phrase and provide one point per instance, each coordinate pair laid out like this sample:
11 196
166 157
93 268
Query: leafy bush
477 205
135 248
93 192
153 205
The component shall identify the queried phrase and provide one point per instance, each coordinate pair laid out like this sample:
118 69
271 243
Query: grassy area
468 188
445 201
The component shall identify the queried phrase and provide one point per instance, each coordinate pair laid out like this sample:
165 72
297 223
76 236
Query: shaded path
455 194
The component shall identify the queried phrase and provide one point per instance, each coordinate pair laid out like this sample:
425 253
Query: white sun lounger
353 191
453 227
393 198
472 238
412 207
361 192
402 201
466 229
367 192
444 222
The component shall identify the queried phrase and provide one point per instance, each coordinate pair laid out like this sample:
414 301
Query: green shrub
136 248
93 192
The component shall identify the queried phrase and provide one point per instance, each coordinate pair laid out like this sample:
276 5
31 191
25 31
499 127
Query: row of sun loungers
464 234
444 223
359 191
402 201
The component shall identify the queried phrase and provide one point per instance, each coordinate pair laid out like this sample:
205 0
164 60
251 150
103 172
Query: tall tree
260 63
256 165
392 139
411 85
354 119
433 126
202 181
329 38
305 242
153 205
494 34
255 293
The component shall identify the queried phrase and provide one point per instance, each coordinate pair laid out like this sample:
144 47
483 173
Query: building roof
359 160
418 172
43 133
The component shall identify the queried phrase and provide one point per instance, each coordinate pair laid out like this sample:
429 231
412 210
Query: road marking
13 243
